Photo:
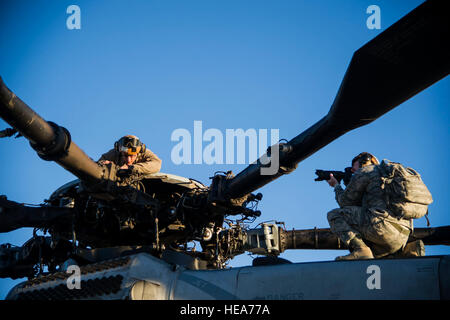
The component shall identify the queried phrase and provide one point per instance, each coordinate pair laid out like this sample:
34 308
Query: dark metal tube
31 217
51 141
432 236
77 162
326 240
305 144
22 118
310 239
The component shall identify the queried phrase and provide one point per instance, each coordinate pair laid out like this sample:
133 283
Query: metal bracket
264 240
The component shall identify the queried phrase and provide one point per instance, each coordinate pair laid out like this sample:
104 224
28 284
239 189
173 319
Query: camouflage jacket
364 190
145 163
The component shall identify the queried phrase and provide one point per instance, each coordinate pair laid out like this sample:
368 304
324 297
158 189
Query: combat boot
360 251
412 249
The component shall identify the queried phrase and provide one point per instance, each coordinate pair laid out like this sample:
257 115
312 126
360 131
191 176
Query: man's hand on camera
332 182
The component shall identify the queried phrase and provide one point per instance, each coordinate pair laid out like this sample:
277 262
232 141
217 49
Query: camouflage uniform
145 163
363 214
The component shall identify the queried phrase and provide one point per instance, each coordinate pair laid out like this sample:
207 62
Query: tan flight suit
363 214
145 163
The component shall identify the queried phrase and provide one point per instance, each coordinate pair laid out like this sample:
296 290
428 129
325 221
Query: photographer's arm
352 195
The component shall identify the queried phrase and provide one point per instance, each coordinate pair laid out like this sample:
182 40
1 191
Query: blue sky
151 67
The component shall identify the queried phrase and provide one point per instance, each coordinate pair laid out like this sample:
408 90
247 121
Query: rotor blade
432 236
15 215
51 141
400 62
326 240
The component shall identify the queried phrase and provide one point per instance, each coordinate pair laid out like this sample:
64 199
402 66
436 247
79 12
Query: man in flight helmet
132 157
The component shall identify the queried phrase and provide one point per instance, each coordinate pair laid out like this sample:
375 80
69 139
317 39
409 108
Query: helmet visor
130 151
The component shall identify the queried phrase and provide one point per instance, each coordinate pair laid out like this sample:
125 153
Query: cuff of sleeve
337 187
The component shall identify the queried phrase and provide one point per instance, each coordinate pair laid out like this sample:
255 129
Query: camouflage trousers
383 236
